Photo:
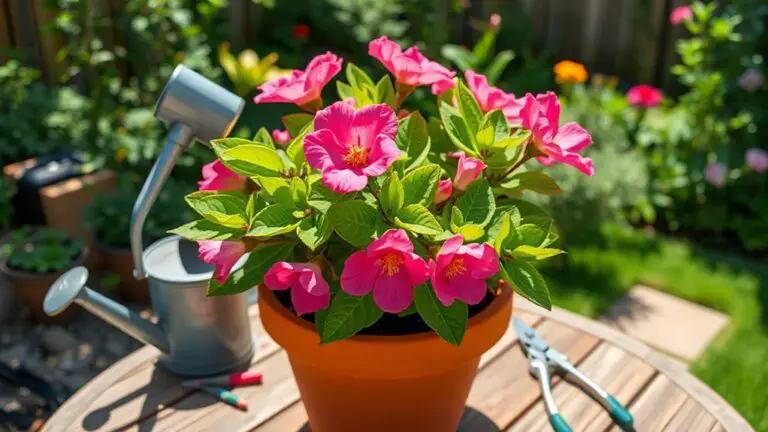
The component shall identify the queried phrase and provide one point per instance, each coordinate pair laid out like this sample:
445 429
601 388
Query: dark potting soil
390 324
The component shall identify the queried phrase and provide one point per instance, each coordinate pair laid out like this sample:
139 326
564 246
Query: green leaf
295 123
295 149
420 185
264 137
471 232
493 128
204 229
438 138
252 272
497 66
449 323
222 144
321 197
255 204
535 253
274 220
408 312
347 315
526 281
458 130
358 78
354 221
535 181
506 228
224 208
253 160
315 230
459 55
344 90
298 193
392 194
477 204
385 92
469 108
412 134
277 189
416 218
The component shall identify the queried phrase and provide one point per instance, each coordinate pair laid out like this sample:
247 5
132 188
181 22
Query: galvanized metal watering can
198 335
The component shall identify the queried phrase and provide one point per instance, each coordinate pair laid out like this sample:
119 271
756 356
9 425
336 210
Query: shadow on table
151 403
472 421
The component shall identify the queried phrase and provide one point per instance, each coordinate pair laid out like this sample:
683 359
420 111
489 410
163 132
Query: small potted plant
32 258
386 250
109 217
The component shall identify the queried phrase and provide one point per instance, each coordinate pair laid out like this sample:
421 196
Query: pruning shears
543 361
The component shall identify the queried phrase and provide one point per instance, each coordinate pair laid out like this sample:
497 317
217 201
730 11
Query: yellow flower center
390 263
357 156
455 268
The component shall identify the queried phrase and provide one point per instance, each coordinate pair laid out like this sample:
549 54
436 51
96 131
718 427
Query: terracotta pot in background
384 383
31 288
120 261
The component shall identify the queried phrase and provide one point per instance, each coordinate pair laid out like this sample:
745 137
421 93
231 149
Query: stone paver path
669 324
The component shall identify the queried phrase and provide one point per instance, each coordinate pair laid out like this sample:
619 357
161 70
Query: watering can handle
179 138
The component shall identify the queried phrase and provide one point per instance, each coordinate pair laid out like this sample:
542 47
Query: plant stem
525 158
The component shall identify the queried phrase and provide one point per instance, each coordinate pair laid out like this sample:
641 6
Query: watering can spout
70 288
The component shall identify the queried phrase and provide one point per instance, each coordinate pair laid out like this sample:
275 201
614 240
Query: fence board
24 30
6 39
49 42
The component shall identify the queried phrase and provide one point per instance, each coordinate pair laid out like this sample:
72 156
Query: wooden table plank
691 417
296 414
655 406
621 374
505 389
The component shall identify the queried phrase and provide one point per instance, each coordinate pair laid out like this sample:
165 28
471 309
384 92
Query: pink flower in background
349 146
222 254
389 268
488 97
541 115
467 171
309 291
680 14
460 271
302 88
444 191
757 159
751 80
216 176
494 22
282 137
411 68
716 174
644 96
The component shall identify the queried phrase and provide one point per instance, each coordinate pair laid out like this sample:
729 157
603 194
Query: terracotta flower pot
384 383
31 288
120 261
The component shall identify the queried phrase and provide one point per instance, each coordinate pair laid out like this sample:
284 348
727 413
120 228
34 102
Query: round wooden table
135 394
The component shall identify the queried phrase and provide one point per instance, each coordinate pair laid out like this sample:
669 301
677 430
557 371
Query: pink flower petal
323 150
282 137
338 118
280 276
391 239
419 270
444 191
394 293
222 254
411 67
344 180
216 176
371 121
384 153
358 275
301 87
485 263
468 289
305 302
573 137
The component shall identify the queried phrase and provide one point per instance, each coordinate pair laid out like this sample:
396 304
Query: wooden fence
629 38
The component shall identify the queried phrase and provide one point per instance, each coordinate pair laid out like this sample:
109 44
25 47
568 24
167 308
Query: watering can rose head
354 210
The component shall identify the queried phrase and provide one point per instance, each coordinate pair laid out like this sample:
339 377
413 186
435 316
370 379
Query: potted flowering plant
385 250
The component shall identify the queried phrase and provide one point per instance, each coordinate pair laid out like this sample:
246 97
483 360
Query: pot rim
35 275
369 356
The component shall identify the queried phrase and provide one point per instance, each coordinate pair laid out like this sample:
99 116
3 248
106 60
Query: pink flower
716 174
302 88
757 159
282 137
389 268
751 80
216 176
644 96
309 291
494 22
541 115
468 170
349 146
444 191
411 68
680 14
488 97
460 271
222 254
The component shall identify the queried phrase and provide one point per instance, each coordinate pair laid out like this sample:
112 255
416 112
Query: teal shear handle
616 410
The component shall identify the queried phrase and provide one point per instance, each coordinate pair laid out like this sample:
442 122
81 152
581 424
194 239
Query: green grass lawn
601 267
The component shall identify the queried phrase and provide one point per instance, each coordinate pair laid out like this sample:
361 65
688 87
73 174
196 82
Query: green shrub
40 250
6 206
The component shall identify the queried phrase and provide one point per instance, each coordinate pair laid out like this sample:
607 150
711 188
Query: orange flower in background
570 72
